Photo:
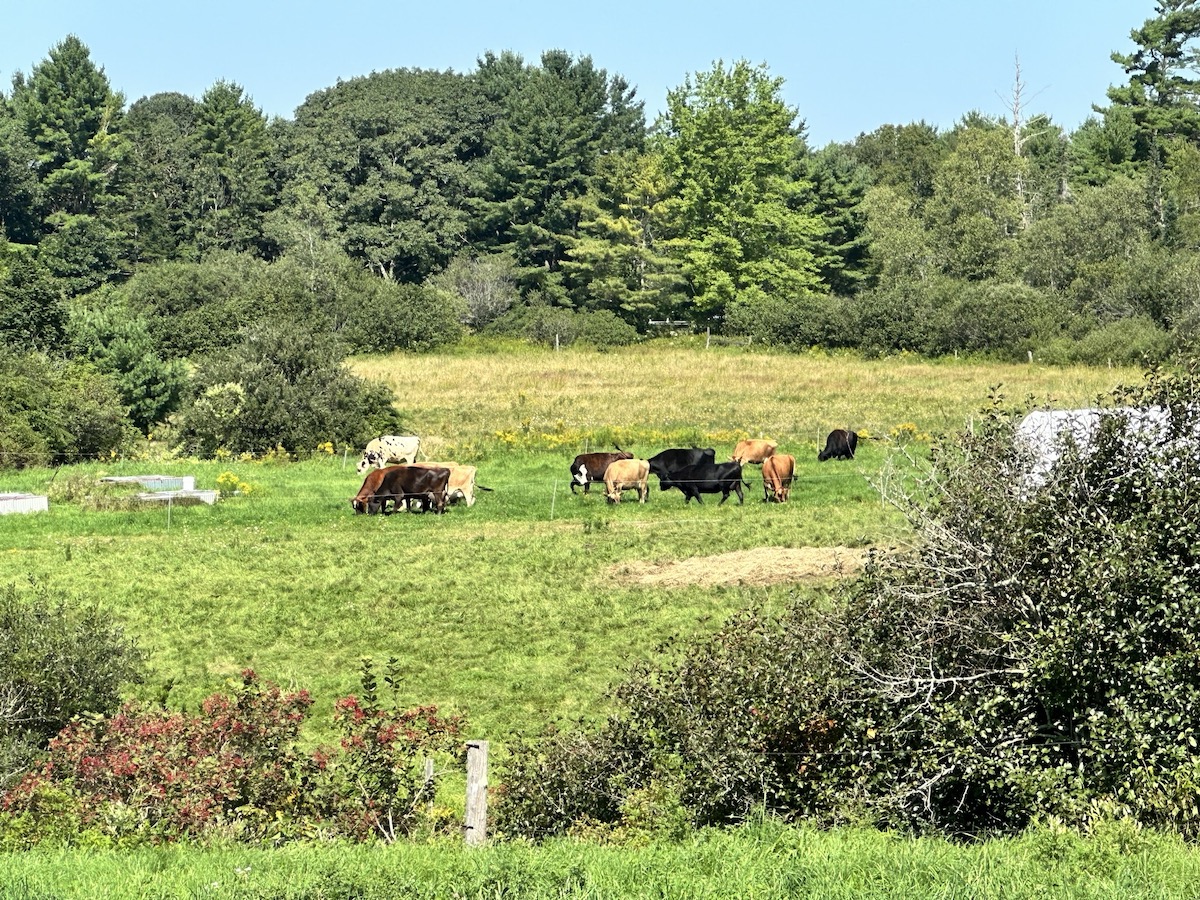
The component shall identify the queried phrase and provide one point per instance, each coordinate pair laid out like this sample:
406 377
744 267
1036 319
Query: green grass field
519 610
524 609
767 861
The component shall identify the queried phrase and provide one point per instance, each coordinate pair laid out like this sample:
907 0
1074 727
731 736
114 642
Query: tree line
402 209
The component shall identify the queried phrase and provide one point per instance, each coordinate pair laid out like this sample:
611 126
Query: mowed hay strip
758 567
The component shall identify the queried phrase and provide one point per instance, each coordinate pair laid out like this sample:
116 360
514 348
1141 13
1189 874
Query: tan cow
753 451
778 472
462 481
626 474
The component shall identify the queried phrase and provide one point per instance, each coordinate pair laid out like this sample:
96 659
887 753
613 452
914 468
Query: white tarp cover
1043 433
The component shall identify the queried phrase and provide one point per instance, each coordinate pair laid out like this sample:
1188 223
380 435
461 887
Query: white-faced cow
389 450
753 451
626 474
707 478
840 444
590 467
778 472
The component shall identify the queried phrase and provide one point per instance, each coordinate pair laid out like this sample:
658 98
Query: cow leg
738 488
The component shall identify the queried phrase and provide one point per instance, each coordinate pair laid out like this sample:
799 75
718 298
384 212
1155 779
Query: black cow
399 485
840 444
589 467
669 461
708 478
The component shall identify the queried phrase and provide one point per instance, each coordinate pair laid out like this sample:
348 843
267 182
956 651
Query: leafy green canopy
746 222
282 385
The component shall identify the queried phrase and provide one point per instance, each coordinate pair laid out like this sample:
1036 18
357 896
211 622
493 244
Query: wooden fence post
476 824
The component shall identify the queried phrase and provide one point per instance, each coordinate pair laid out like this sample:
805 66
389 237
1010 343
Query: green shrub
281 386
58 660
33 314
899 314
399 317
806 320
55 411
119 344
1135 341
998 318
198 307
604 328
1036 654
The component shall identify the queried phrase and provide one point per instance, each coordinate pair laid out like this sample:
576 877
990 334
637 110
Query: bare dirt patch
752 568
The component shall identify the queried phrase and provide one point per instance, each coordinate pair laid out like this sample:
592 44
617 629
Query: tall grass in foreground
764 861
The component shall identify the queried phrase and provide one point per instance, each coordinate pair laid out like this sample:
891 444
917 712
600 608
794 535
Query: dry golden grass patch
757 567
661 389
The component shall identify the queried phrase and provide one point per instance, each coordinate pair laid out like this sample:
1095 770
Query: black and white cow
389 449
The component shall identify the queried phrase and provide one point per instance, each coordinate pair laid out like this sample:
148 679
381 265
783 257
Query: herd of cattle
398 479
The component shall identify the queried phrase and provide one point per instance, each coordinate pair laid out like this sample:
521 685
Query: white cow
388 450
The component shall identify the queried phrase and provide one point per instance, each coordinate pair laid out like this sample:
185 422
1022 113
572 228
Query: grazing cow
589 467
753 451
668 461
366 493
778 472
401 484
840 444
626 474
389 449
709 478
462 481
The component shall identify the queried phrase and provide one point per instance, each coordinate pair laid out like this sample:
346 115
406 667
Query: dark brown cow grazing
840 444
753 451
589 467
778 472
399 484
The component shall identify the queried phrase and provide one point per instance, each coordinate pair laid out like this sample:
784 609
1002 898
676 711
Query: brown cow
778 473
626 474
589 467
400 484
753 451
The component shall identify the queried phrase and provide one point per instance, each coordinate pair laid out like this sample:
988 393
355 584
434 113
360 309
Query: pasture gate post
476 824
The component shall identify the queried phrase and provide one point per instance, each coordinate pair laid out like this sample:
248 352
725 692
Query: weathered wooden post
476 824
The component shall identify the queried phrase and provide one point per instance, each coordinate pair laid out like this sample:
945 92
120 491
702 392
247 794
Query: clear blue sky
848 66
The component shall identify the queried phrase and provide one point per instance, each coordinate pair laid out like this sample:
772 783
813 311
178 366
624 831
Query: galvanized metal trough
179 490
23 503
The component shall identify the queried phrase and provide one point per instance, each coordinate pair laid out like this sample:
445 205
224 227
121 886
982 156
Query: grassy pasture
764 861
514 612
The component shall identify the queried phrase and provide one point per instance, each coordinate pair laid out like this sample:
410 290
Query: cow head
370 460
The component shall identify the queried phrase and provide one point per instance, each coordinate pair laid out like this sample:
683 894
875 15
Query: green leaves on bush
58 660
53 411
281 385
